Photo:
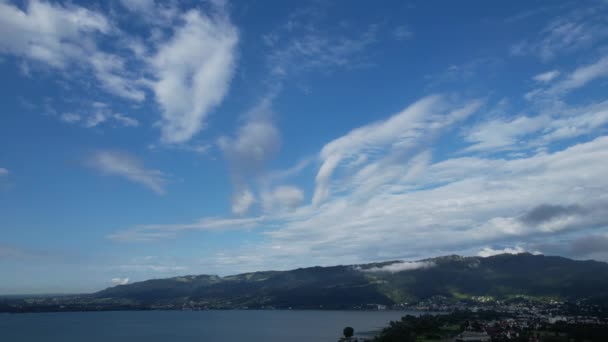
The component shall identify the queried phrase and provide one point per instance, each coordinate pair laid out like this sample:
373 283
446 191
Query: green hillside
454 277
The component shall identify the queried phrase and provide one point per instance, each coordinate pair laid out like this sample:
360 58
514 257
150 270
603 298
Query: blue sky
144 139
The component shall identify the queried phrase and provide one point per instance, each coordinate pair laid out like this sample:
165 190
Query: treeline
444 327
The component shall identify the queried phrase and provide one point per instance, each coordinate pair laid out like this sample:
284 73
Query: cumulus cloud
193 71
129 167
401 266
120 281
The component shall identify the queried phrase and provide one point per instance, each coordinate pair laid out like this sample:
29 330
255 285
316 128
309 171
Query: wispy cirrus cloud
547 76
188 65
388 195
155 232
399 133
193 71
98 114
578 30
116 163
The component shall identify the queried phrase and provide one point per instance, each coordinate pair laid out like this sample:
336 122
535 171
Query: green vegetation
495 326
346 287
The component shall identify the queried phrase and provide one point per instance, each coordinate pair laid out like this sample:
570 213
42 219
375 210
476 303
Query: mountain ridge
385 283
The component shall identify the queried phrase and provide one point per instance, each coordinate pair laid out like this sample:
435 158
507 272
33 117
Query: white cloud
401 266
557 122
546 77
188 64
397 202
402 33
172 269
579 30
49 33
125 120
70 117
282 197
398 133
127 166
488 251
255 142
120 281
242 201
99 113
111 72
3 172
65 37
193 71
581 76
312 49
156 232
503 134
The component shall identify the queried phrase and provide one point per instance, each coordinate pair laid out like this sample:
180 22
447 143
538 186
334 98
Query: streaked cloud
439 206
579 30
547 76
397 134
581 76
401 266
115 163
155 232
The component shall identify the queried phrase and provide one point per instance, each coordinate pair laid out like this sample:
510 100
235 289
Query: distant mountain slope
500 276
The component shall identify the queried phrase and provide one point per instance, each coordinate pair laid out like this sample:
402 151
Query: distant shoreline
64 310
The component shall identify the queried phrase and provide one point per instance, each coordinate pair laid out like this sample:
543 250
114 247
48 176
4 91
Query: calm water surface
208 326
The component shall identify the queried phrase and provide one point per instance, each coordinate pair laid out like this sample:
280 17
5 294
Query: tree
348 332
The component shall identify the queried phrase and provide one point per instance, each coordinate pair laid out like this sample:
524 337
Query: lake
208 326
